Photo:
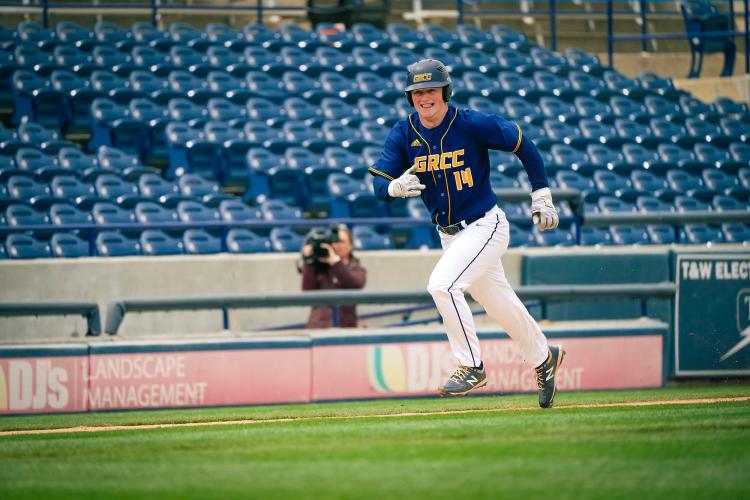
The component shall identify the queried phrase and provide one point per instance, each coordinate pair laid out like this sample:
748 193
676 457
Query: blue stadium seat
149 35
35 58
23 246
484 105
736 232
347 137
190 59
628 130
701 233
627 108
722 203
222 84
235 210
693 107
287 184
510 85
371 84
335 109
109 33
479 60
260 135
674 154
263 110
589 107
21 214
405 36
257 34
585 84
661 234
740 153
272 209
595 236
113 187
621 84
197 185
701 130
299 109
664 87
64 213
35 34
112 126
437 35
185 84
566 157
506 37
70 187
651 204
727 107
374 110
686 203
151 59
200 242
78 96
225 59
596 132
109 58
555 85
68 56
234 148
104 212
35 100
584 61
660 107
301 85
367 238
647 182
377 62
183 34
155 186
68 246
373 133
557 132
521 237
284 239
115 244
147 212
194 211
471 36
511 60
560 237
610 204
183 110
605 157
157 242
636 154
557 109
221 109
550 61
518 109
245 241
126 165
718 180
35 162
154 118
629 235
24 187
190 152
683 182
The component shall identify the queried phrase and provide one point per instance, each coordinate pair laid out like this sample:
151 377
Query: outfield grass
661 451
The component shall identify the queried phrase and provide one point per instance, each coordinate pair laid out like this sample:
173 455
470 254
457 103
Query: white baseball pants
471 261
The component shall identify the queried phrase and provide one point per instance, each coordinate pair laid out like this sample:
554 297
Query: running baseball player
441 154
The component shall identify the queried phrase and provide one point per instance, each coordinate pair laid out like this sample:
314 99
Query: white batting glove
406 186
543 212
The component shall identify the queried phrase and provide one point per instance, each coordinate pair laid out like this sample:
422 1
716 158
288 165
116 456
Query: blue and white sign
712 315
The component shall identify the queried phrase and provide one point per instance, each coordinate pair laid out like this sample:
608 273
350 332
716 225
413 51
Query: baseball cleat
464 380
545 376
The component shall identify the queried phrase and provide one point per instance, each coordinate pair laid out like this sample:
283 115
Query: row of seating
109 243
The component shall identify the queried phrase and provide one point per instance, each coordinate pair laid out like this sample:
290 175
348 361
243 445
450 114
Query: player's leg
466 257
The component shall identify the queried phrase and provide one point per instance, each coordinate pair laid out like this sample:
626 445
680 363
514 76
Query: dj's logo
33 385
422 77
743 323
386 368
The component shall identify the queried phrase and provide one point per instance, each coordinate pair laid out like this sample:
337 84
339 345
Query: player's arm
392 178
504 135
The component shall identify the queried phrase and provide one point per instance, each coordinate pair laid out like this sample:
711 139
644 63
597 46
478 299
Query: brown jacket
340 275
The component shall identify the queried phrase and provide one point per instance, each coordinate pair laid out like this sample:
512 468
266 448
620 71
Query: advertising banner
419 368
712 315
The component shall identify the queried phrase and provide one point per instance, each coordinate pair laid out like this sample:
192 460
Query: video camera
315 238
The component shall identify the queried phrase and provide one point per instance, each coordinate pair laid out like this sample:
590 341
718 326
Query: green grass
664 451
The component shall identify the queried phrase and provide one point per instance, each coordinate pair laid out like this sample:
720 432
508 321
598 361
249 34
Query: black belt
459 226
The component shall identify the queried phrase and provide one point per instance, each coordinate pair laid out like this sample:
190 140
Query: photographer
328 264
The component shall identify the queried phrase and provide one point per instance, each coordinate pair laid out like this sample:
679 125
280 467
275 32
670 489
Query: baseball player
440 153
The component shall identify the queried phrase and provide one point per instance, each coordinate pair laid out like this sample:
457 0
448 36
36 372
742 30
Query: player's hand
543 212
406 186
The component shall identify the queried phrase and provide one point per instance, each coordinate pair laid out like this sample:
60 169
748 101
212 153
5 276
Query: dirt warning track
111 428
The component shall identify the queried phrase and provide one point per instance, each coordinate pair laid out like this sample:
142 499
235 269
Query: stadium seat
68 246
636 154
221 109
190 59
561 237
284 239
661 234
104 212
722 203
600 135
114 187
157 242
735 232
518 109
34 100
367 238
23 246
520 237
647 182
154 186
557 109
235 210
740 153
113 126
109 58
21 214
64 213
700 130
511 60
222 84
272 209
664 87
126 165
405 36
557 132
78 96
683 182
194 211
727 107
718 180
583 61
245 241
565 157
627 108
263 110
595 236
701 233
149 35
200 242
550 61
610 204
190 152
555 85
506 37
589 107
301 85
685 203
70 187
183 110
111 34
147 212
585 84
621 84
115 244
629 235
335 109
68 56
24 187
651 204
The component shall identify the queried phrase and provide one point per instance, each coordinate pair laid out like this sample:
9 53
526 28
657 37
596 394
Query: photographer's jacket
325 277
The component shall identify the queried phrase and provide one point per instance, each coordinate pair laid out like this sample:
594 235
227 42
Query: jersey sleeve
498 133
391 164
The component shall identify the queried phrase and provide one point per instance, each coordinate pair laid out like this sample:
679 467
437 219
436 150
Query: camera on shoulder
316 237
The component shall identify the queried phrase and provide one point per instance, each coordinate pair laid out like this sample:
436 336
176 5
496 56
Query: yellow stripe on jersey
520 137
382 174
427 143
447 189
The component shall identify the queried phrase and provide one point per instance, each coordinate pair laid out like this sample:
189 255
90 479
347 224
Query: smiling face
430 105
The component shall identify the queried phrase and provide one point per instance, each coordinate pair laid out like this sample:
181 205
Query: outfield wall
314 366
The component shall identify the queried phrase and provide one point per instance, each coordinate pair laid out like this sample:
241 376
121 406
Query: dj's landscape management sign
712 316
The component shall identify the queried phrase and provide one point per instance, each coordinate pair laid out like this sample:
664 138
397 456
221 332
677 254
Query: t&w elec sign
712 315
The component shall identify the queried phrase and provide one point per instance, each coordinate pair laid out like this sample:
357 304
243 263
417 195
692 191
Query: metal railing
89 310
117 310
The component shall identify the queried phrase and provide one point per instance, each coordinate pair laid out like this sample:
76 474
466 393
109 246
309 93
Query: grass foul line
110 428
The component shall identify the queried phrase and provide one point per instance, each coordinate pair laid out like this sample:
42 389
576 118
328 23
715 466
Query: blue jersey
453 162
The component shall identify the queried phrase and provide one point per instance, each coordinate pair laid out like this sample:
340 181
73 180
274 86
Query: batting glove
543 212
406 186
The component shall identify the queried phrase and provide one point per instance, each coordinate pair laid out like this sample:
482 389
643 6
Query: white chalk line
110 428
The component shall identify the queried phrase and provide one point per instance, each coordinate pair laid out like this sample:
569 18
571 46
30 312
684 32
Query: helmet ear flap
447 93
408 98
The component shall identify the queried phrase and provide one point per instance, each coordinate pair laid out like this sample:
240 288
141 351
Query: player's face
429 103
